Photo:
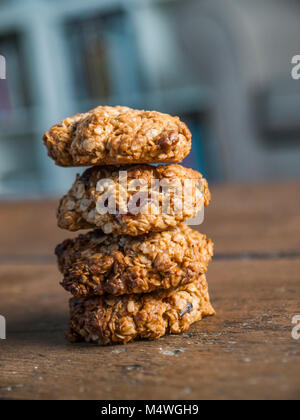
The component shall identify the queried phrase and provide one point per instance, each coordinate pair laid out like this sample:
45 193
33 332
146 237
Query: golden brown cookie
118 135
105 198
94 264
108 320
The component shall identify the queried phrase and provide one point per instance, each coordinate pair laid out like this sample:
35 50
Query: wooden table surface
245 352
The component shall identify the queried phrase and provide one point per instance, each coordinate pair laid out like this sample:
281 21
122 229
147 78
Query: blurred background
223 66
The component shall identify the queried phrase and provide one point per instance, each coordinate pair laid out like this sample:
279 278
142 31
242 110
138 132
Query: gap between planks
243 256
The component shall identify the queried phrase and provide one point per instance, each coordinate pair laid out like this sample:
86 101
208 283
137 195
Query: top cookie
118 135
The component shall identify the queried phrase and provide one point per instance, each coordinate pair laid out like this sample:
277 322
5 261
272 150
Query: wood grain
257 220
245 352
241 220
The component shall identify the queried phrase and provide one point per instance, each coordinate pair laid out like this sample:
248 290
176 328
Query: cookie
134 199
118 135
94 264
107 320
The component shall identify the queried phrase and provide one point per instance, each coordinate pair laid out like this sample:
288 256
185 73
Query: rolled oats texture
118 135
94 263
79 208
107 320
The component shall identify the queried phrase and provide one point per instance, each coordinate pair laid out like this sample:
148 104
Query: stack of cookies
139 272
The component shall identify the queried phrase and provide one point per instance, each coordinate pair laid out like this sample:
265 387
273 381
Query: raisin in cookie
118 135
107 320
94 264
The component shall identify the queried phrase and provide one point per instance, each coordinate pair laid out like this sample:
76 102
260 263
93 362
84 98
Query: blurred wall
243 50
223 66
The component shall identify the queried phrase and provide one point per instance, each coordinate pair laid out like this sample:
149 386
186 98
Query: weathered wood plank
246 351
242 219
255 219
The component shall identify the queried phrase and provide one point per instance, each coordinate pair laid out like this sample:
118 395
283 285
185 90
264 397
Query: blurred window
104 57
